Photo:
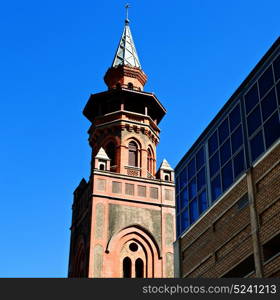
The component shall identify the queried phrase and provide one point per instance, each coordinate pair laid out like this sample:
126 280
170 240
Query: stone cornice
133 178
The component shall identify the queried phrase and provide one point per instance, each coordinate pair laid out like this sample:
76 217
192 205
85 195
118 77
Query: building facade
123 217
228 185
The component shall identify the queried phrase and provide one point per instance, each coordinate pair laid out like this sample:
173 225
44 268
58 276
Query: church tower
123 217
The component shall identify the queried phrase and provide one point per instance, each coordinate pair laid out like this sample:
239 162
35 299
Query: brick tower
123 221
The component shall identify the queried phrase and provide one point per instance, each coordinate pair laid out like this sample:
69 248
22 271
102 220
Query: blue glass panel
276 66
225 152
251 98
177 185
268 104
238 163
216 188
201 181
202 202
193 211
254 120
185 221
178 206
272 130
234 118
223 131
236 139
184 198
266 81
192 189
214 164
227 177
278 92
183 178
191 169
257 146
213 143
200 158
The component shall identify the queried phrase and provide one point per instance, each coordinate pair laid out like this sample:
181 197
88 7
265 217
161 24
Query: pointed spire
126 53
126 71
165 165
102 154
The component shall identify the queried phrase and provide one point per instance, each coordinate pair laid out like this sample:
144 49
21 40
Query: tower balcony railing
129 87
133 171
150 176
113 168
132 116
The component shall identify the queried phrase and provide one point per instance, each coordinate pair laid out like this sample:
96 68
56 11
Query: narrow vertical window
127 267
132 154
150 161
139 268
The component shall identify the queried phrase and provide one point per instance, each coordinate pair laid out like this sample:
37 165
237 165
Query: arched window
166 177
111 152
132 154
102 167
127 267
150 161
130 85
139 268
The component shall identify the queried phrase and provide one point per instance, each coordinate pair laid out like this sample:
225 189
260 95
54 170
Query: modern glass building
243 130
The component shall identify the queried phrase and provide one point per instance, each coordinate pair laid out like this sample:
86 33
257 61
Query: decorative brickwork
101 185
116 187
154 193
168 195
141 191
129 189
99 221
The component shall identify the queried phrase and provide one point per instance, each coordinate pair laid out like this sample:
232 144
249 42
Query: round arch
111 146
147 242
151 149
134 148
150 160
133 139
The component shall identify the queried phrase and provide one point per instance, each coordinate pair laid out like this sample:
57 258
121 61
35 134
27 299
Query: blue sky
53 54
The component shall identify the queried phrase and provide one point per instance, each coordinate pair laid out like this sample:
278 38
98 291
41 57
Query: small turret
165 172
102 161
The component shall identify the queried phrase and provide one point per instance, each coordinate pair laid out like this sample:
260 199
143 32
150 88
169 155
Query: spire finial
127 6
126 53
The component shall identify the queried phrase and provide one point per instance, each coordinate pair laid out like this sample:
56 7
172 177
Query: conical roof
126 53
